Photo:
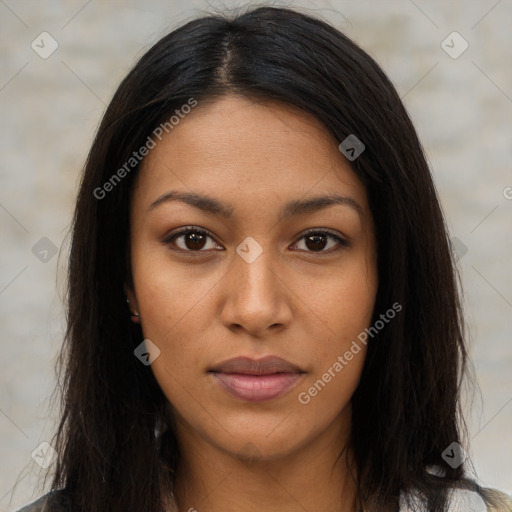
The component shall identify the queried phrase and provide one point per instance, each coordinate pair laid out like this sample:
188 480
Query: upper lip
265 366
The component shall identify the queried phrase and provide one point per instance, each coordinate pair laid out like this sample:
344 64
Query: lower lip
257 388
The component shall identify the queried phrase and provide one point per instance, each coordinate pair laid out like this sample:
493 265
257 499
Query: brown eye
190 240
194 241
317 241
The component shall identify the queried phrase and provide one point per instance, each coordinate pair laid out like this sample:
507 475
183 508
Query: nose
256 298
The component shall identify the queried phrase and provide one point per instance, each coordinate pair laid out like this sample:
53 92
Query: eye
193 239
317 240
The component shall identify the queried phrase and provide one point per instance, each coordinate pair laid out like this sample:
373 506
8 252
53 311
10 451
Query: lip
256 380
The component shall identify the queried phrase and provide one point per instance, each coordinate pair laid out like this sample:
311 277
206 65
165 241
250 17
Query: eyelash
192 229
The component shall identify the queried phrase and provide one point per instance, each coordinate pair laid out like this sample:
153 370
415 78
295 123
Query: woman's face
256 285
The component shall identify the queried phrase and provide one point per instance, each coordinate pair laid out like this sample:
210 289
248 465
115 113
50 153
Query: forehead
250 149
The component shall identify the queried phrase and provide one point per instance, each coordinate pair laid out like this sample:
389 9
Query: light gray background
462 109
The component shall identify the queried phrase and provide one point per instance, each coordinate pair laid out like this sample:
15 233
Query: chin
252 441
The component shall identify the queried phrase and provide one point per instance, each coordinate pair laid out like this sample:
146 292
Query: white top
460 500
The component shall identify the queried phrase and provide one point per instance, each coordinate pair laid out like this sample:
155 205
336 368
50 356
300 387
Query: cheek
345 303
173 305
340 350
179 368
346 306
172 297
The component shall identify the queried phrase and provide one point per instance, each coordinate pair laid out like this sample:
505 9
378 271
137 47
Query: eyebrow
295 207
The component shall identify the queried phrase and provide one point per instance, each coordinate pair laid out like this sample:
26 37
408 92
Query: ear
133 305
130 295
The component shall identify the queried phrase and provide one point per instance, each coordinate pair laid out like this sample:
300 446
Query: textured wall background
461 105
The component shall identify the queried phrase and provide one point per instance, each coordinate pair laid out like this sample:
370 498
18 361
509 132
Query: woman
263 311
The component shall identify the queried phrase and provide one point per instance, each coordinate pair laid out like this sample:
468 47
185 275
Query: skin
303 302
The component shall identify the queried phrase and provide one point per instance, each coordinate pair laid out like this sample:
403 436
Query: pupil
195 238
317 239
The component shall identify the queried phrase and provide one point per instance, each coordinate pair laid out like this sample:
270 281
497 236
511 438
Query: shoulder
53 501
465 496
496 501
468 492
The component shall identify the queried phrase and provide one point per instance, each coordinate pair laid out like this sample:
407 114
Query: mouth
259 380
